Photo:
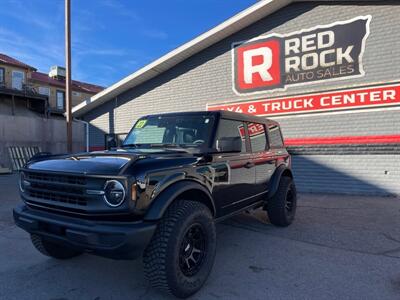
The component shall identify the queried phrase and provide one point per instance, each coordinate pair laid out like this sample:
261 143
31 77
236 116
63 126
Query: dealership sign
376 96
275 61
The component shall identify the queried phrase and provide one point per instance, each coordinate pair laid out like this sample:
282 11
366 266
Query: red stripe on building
346 140
378 96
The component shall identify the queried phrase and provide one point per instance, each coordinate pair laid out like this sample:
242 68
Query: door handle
249 165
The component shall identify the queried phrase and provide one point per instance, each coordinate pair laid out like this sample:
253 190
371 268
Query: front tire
282 206
51 249
181 253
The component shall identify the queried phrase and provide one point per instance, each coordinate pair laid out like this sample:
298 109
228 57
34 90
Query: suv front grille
58 198
78 180
45 188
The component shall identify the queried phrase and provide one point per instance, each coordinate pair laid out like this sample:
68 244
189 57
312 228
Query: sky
110 38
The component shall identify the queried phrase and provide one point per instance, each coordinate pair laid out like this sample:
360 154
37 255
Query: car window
181 130
231 128
258 138
275 136
149 134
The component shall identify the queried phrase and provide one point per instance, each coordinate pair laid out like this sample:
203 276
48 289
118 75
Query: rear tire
281 207
51 249
181 253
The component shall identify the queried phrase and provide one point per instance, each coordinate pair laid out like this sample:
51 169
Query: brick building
32 105
326 70
22 85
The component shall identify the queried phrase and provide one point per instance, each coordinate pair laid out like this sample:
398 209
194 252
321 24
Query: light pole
68 91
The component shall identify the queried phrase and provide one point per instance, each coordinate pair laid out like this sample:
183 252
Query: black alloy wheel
193 250
282 206
181 254
290 200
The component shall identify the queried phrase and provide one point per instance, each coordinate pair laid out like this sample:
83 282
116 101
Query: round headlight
114 193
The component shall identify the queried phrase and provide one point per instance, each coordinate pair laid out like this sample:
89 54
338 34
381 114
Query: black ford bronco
160 194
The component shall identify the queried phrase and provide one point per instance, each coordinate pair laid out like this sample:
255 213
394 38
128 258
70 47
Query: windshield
174 131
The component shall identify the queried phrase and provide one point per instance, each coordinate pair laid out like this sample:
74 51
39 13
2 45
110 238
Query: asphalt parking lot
339 247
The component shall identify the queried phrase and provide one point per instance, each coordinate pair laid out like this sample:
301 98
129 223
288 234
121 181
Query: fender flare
282 170
162 201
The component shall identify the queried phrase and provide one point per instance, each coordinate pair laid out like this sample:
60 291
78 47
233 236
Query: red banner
322 102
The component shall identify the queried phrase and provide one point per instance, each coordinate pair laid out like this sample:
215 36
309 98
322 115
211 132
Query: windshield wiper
130 145
168 146
164 145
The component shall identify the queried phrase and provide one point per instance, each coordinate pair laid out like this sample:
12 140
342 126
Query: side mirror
110 141
229 144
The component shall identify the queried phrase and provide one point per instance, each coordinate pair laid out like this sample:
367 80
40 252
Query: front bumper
117 240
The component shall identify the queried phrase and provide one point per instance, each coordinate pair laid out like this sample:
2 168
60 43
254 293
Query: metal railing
27 90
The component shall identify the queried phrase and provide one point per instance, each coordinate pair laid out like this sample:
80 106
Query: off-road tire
51 249
277 206
161 258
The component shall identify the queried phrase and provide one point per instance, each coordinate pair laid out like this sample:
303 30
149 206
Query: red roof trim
8 60
76 85
44 78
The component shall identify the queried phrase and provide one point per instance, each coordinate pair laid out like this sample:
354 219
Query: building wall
48 134
207 77
76 98
80 97
8 74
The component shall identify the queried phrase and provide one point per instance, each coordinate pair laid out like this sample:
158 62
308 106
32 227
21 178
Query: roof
243 19
254 13
44 78
8 60
76 85
223 113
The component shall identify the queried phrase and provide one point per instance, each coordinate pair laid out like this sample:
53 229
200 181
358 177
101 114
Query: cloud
84 20
131 62
35 35
39 54
81 49
120 9
22 12
155 34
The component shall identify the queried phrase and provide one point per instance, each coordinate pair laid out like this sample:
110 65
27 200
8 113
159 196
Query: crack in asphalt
333 208
257 230
390 238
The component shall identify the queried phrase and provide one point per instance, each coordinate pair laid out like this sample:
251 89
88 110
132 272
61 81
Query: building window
258 137
76 94
18 78
44 90
2 72
60 100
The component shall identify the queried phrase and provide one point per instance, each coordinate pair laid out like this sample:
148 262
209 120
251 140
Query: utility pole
68 91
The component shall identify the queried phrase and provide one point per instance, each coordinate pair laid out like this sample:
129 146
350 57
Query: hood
87 164
99 162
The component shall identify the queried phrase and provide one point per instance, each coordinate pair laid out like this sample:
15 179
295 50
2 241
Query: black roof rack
223 113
